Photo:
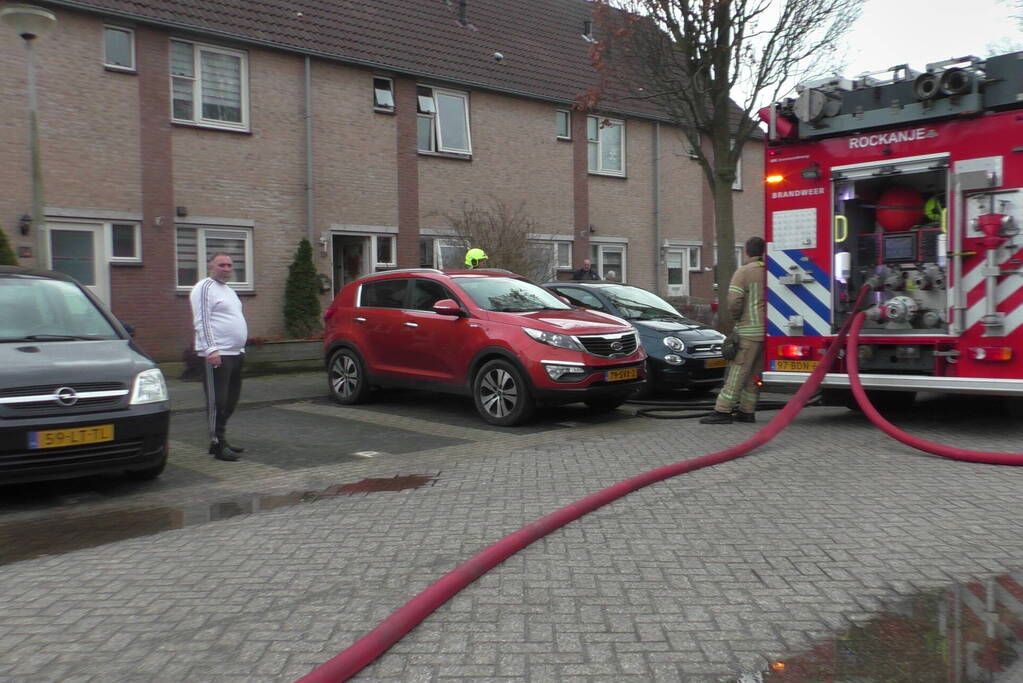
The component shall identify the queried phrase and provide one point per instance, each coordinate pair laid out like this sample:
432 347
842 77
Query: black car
682 353
77 396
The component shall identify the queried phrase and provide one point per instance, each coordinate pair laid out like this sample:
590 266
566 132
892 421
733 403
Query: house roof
545 55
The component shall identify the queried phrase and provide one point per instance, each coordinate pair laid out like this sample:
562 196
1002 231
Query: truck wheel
501 394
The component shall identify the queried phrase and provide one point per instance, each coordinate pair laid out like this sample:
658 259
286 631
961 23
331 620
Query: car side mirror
564 300
448 307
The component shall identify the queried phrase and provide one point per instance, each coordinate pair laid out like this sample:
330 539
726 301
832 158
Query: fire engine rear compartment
890 232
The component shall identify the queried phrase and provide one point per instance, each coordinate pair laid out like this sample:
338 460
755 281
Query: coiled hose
363 651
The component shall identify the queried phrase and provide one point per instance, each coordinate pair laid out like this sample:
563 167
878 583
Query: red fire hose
891 430
353 659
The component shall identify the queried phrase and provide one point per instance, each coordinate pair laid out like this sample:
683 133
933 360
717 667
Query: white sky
916 32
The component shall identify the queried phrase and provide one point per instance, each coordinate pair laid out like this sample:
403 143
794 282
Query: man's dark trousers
223 387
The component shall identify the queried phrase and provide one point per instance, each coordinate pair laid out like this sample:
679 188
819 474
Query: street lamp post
30 22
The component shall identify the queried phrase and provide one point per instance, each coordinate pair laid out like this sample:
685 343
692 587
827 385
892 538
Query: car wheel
501 395
605 405
347 378
150 473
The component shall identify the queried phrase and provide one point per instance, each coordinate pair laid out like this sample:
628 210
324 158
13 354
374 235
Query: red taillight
793 351
998 353
329 313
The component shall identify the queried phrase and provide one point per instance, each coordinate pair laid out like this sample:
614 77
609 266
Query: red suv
490 334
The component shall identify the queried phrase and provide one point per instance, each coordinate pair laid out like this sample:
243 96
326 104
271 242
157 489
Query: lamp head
28 21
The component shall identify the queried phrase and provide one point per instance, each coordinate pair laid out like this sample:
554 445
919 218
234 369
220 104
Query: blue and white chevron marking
811 301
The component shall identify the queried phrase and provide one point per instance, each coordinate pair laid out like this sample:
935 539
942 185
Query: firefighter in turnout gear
747 304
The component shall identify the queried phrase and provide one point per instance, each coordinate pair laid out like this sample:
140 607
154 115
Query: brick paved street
697 578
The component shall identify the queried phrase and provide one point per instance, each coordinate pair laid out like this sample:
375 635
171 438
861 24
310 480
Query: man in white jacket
220 334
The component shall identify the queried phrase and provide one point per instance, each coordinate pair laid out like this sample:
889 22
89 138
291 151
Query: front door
678 272
77 250
351 259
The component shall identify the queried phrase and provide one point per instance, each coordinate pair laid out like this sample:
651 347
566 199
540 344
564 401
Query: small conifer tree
301 295
7 257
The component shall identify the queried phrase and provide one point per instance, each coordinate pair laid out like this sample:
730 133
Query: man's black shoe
236 449
739 417
717 418
225 453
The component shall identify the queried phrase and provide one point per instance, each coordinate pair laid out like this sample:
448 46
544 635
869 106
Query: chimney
463 12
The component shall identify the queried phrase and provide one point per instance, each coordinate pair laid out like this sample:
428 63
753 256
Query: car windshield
40 309
509 295
638 304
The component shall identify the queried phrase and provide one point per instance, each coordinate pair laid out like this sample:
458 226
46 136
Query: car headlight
675 344
149 387
562 341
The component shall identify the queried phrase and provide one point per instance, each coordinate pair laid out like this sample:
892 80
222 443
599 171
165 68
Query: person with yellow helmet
475 258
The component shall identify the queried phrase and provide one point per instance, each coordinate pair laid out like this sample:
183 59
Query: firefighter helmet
474 256
933 208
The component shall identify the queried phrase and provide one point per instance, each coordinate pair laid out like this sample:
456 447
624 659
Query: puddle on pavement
968 633
23 540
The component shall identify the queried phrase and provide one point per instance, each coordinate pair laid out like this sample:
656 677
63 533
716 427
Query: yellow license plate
620 375
78 436
795 365
716 362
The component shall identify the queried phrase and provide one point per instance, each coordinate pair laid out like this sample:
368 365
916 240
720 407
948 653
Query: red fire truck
910 183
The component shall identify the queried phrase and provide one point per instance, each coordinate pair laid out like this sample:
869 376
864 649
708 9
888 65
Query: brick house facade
146 167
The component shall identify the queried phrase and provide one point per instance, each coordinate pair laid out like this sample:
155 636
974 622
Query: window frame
131 48
597 250
247 234
568 124
436 123
136 241
737 183
198 49
604 123
377 106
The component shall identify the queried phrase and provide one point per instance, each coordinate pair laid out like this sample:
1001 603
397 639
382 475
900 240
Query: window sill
562 139
120 69
207 126
445 155
605 174
383 110
132 263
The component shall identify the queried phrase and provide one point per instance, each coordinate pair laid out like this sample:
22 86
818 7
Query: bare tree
510 238
707 65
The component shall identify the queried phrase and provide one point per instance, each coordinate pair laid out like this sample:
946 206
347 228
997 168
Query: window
196 244
563 124
119 48
125 243
580 297
425 293
695 262
383 94
209 85
737 183
385 251
384 293
608 257
443 121
606 145
442 253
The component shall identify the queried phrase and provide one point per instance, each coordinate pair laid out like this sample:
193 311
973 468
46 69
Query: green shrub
302 295
7 257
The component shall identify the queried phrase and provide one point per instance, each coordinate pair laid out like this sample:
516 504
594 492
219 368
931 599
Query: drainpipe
657 210
309 216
